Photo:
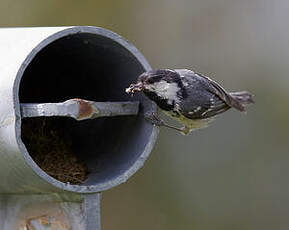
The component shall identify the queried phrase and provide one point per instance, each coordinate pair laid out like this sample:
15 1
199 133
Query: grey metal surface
91 205
50 212
50 65
108 63
79 109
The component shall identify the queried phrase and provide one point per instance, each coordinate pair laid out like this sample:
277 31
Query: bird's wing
203 105
213 87
205 98
218 90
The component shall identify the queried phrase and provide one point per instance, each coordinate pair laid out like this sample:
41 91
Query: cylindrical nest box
45 66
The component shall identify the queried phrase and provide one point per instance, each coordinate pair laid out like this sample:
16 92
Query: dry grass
50 146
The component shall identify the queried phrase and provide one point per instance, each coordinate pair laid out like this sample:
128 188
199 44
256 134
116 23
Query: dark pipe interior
96 68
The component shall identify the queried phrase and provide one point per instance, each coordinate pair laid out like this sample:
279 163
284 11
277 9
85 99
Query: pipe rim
28 159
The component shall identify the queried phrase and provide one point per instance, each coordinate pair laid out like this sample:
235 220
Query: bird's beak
134 88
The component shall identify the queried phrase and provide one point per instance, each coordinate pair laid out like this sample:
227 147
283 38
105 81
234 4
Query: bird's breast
190 123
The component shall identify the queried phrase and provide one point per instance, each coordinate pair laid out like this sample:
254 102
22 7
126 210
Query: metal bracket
80 109
50 211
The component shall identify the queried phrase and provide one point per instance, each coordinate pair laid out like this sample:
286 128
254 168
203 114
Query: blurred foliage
232 175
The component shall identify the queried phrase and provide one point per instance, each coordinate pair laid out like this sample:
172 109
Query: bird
190 98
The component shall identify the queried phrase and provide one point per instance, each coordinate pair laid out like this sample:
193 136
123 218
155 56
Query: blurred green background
232 175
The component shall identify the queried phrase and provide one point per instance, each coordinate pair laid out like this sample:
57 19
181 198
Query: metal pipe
39 69
79 109
37 49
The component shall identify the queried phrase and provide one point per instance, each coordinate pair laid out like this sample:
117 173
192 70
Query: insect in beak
134 88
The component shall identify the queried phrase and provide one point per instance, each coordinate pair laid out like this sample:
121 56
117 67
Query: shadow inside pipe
96 68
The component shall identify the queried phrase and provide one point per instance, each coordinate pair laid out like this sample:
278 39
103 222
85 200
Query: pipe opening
90 67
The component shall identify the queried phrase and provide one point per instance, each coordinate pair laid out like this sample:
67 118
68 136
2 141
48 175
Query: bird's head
164 83
162 86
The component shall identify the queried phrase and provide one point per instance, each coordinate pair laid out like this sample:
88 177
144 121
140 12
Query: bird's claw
154 119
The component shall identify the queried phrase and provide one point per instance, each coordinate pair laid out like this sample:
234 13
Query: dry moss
49 144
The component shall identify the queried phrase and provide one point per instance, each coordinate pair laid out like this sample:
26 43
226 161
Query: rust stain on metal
54 222
28 223
85 109
44 221
43 216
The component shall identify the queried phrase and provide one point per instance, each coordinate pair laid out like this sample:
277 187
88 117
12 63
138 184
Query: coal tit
188 97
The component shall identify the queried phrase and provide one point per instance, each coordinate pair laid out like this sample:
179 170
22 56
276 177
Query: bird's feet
185 130
154 119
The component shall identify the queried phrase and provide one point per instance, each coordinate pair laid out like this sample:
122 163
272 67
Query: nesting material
49 144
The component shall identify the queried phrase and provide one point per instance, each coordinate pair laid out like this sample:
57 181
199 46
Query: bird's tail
241 99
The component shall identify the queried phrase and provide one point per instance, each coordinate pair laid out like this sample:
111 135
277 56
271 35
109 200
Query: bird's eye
150 80
153 79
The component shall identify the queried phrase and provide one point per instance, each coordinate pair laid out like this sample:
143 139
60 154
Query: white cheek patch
185 83
165 90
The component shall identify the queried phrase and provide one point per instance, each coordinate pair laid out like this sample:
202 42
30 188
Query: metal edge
60 185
